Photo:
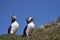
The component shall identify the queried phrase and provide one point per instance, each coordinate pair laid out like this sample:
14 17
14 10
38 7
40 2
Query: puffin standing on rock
29 27
14 26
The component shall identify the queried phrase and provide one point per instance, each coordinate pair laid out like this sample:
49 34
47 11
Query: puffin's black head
13 18
29 19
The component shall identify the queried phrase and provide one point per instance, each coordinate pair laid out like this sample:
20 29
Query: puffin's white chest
14 26
29 26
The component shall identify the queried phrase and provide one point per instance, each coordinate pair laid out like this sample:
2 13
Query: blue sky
42 11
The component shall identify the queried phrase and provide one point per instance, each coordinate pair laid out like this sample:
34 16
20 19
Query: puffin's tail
23 35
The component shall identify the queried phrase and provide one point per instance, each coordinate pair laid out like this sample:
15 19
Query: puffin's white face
30 19
13 17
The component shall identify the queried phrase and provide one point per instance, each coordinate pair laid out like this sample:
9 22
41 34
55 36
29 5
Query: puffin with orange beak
29 27
14 26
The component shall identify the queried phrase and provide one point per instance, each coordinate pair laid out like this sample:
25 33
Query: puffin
29 27
13 26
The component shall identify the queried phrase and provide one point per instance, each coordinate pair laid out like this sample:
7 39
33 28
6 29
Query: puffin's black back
9 29
24 32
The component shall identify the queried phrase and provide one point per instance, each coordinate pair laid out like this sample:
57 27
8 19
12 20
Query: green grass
38 34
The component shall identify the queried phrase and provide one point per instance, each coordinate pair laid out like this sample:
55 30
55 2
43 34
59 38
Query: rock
58 19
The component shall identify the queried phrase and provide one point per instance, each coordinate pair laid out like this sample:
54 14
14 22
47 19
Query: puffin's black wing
9 29
24 32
